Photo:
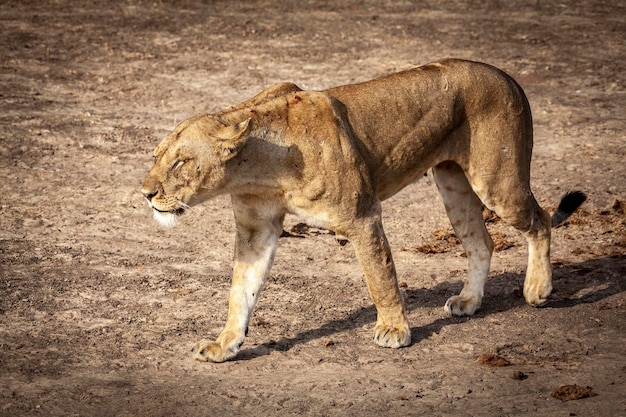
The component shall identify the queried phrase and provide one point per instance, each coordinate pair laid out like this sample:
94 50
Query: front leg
372 249
258 230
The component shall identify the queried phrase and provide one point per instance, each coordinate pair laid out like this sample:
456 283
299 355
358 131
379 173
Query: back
409 121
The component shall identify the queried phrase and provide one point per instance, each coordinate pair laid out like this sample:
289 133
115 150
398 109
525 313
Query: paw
537 295
207 351
462 306
391 336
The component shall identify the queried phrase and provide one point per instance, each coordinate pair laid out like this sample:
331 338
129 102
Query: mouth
177 212
167 218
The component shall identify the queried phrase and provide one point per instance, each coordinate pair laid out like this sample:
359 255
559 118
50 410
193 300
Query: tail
568 205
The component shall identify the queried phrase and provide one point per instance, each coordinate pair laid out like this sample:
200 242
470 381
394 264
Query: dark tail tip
568 205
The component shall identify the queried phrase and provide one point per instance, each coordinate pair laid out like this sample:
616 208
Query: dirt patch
519 376
572 392
99 307
445 241
490 359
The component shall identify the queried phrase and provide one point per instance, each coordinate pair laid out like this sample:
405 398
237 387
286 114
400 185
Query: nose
149 194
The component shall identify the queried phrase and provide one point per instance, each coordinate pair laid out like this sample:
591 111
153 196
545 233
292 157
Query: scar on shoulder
295 99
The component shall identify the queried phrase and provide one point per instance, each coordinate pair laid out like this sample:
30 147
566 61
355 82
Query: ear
232 138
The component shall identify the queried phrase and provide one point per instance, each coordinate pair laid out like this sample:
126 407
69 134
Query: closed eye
177 165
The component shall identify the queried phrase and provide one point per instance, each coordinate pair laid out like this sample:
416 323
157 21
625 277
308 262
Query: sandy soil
99 307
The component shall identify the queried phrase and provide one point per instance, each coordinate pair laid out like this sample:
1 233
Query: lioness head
189 161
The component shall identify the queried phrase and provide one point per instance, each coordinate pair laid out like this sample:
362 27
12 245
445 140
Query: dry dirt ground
99 307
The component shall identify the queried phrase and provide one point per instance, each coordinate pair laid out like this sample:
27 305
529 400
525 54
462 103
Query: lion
331 157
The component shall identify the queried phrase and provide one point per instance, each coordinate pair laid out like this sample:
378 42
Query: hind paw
462 306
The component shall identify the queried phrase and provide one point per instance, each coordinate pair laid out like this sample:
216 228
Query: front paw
462 306
392 336
208 351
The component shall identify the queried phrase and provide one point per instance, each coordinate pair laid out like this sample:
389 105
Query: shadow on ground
574 284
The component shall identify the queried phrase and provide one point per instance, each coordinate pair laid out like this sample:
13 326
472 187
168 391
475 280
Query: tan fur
331 157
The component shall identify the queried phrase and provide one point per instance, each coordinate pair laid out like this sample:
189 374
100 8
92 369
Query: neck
267 161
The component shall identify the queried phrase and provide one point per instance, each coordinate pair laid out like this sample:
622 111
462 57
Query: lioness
331 157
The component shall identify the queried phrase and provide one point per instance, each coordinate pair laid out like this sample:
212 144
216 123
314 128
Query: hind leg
464 210
538 281
513 201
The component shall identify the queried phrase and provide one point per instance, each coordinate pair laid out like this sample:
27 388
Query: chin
165 219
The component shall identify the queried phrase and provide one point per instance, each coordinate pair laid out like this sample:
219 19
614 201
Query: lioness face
191 160
175 177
